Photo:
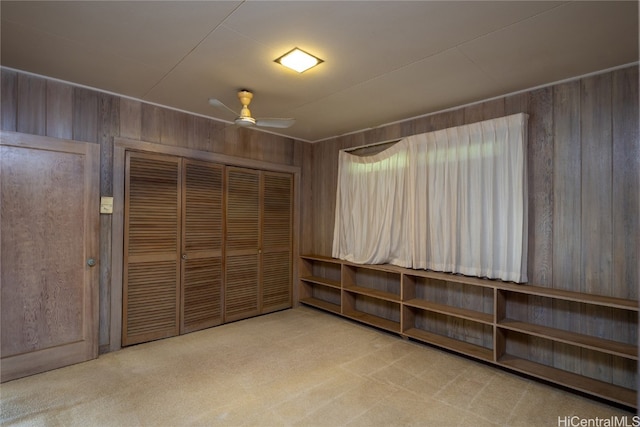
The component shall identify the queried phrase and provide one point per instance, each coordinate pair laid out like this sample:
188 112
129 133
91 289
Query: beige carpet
295 367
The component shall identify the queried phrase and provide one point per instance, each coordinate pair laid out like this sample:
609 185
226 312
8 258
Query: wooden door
49 230
242 243
201 302
277 189
151 276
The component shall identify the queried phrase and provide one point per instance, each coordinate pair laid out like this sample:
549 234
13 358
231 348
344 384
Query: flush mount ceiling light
298 60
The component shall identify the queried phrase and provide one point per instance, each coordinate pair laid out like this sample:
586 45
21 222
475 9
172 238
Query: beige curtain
453 200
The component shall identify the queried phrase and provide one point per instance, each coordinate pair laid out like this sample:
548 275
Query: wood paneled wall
41 106
583 165
583 179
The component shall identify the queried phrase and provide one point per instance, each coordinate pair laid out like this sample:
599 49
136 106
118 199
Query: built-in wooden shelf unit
587 342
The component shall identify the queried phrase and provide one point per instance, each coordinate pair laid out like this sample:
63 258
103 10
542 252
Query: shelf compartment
457 333
469 349
379 282
594 387
601 328
586 341
372 311
560 294
556 360
463 299
462 313
321 268
320 296
453 278
321 304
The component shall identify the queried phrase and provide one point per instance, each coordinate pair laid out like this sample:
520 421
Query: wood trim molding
133 145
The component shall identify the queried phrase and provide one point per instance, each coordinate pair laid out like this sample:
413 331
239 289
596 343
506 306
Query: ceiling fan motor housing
245 121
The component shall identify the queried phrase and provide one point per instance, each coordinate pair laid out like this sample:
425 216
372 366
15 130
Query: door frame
120 148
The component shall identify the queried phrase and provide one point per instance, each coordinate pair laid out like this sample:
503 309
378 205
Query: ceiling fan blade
275 123
218 104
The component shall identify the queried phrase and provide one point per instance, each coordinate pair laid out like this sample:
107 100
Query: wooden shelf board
601 300
463 313
452 277
389 268
469 349
607 391
322 281
373 320
322 258
527 289
324 305
599 344
387 296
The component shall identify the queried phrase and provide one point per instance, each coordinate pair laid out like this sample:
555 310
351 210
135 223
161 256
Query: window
453 200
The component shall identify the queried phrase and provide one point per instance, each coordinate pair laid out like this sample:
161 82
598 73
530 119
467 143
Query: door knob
91 262
184 256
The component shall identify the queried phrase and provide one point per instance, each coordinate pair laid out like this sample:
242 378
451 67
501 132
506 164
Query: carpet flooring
298 367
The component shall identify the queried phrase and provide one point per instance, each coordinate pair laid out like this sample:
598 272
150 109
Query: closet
204 244
258 242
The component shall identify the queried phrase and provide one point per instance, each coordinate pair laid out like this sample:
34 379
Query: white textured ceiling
384 60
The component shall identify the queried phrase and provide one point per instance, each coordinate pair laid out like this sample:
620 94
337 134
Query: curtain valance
453 200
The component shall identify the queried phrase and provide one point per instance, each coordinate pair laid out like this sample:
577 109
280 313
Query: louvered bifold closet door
202 246
242 242
276 241
151 248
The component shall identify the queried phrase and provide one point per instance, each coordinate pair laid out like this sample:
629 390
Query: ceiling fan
244 119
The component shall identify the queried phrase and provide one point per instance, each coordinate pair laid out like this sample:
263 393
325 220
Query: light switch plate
106 205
